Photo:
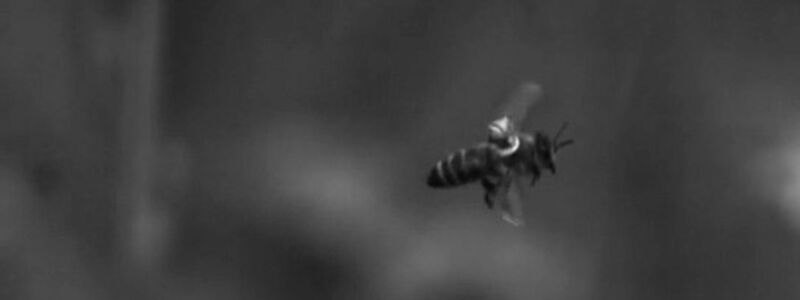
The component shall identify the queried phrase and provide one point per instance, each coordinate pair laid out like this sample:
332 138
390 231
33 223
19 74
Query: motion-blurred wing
506 198
519 102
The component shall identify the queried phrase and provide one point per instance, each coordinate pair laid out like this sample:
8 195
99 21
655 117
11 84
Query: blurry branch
140 220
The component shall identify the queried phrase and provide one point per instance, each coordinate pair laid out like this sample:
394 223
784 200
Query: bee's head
547 147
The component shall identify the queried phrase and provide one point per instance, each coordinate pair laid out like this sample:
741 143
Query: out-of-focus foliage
290 142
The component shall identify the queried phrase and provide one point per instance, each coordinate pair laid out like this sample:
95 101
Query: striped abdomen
460 167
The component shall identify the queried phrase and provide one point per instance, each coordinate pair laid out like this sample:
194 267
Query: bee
507 156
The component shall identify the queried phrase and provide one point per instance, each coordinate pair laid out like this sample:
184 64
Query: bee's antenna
564 144
558 134
560 130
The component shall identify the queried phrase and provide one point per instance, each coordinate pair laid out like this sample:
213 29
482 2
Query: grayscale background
158 149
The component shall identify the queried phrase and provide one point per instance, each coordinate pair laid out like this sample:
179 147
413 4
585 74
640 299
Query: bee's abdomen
463 166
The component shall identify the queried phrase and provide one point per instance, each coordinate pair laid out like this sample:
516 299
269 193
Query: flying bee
507 156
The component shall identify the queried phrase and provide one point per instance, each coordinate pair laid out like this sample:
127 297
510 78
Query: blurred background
241 149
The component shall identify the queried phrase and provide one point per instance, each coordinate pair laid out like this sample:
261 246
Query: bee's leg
488 201
535 177
489 188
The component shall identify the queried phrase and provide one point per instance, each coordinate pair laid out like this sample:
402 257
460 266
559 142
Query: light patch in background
778 172
326 180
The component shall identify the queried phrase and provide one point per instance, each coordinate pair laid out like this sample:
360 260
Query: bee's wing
507 199
519 102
